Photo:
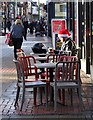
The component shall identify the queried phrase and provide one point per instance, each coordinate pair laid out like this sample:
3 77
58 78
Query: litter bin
40 48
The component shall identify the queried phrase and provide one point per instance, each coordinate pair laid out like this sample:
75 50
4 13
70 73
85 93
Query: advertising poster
57 24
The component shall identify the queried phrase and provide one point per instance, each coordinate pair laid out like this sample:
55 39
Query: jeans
17 45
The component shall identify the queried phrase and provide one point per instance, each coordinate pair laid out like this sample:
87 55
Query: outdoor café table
39 54
47 65
51 66
41 58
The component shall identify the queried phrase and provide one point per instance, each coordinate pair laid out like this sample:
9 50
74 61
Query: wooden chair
27 84
67 76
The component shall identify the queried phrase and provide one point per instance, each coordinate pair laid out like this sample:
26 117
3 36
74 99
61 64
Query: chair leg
63 96
46 94
51 94
47 87
70 90
80 99
35 93
40 94
55 99
59 92
17 95
77 92
71 96
23 97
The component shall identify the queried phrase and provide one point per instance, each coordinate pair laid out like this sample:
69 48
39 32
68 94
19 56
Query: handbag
8 40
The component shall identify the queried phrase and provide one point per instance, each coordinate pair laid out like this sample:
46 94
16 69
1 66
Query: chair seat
32 80
33 84
65 84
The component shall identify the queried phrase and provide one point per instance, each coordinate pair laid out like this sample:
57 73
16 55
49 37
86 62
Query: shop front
80 22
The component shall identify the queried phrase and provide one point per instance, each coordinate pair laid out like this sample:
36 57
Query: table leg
51 80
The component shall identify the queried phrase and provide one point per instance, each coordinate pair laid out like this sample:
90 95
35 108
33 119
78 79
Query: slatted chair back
20 73
69 59
28 66
52 58
67 72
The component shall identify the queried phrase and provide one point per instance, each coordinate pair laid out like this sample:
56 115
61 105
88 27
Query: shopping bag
8 40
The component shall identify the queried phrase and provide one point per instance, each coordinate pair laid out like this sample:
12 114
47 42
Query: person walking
31 27
8 24
17 33
25 24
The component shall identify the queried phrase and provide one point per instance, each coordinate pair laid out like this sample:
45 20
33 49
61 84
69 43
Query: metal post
4 17
38 10
16 12
47 16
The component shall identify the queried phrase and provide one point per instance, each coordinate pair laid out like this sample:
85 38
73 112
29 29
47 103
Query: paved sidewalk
40 112
29 111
